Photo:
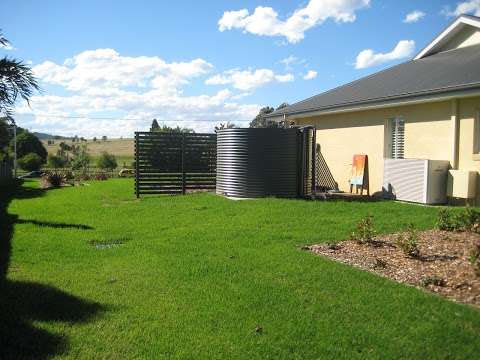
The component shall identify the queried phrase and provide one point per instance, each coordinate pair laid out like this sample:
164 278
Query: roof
443 72
448 33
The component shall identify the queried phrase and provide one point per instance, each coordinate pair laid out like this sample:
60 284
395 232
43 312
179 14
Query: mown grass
203 277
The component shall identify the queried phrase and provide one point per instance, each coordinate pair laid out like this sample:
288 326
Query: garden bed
442 266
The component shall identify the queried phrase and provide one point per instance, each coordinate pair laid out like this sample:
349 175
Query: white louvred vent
398 138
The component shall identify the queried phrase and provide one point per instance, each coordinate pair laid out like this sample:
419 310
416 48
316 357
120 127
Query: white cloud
248 79
367 58
107 68
288 62
104 84
291 61
265 21
414 17
465 7
311 74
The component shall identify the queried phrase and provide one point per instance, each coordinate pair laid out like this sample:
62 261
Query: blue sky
200 63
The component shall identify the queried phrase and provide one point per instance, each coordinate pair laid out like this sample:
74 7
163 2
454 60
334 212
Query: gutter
379 104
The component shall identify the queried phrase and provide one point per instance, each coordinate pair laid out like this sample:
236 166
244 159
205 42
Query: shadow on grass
22 303
54 224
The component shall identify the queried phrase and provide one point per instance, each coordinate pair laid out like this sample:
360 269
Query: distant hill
45 136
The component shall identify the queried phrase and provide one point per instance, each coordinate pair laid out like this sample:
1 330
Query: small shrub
432 280
107 161
465 220
471 219
100 176
379 263
52 179
408 242
475 258
364 232
30 162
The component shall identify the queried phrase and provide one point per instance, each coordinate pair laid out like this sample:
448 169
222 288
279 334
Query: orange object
359 176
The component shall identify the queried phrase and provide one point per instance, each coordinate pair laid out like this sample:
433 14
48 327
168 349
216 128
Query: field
121 148
95 273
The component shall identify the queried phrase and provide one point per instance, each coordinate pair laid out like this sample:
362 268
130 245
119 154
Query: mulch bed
443 266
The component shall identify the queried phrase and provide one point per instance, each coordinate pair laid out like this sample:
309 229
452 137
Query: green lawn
196 274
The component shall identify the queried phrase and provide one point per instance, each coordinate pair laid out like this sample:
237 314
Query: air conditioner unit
462 184
416 180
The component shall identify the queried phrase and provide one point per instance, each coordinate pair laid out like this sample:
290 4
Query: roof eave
446 34
381 103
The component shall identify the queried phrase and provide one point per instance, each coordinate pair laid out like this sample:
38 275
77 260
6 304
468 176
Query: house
427 108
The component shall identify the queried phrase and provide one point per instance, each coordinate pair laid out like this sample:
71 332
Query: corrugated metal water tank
265 162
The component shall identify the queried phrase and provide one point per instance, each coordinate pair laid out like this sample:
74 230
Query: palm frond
3 42
16 80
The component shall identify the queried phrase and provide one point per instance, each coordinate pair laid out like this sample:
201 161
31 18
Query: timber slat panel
172 163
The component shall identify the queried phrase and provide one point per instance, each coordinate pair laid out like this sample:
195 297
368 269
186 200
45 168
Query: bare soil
442 267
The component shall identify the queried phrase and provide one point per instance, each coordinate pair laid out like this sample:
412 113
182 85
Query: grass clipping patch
443 265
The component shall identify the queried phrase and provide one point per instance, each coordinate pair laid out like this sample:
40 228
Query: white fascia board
446 34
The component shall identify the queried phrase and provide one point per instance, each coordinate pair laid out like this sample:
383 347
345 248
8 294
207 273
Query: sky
110 67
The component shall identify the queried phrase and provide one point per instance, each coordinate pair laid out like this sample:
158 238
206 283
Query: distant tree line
258 122
155 127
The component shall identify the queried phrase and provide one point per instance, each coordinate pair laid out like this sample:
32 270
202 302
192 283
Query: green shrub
432 280
107 161
408 242
30 162
55 161
364 232
475 258
471 219
81 161
466 220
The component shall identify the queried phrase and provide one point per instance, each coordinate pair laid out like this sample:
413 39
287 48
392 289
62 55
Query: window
395 138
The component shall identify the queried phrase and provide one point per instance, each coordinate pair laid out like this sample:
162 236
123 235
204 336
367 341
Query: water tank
265 162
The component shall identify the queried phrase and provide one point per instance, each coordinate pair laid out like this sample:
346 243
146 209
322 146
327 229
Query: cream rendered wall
467 113
428 131
341 136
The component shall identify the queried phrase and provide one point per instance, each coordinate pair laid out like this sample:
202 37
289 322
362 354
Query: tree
4 138
227 125
155 125
16 80
261 122
30 162
94 139
28 143
56 161
104 138
81 161
107 161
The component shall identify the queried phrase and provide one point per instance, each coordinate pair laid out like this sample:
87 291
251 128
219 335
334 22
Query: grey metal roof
448 71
